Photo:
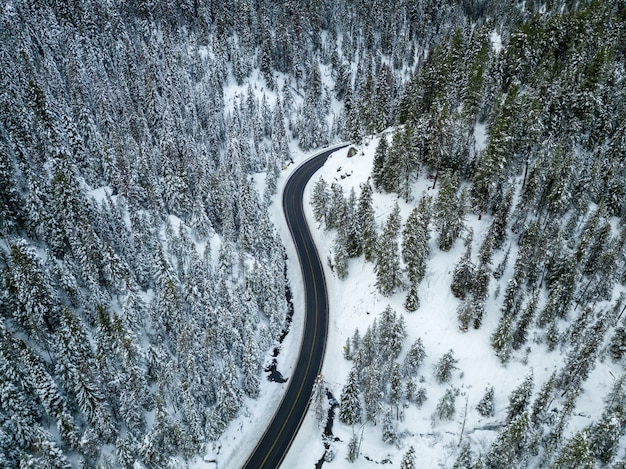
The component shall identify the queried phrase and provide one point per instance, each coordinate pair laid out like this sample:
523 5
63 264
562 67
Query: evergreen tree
350 403
395 389
520 398
415 249
353 448
508 448
446 407
389 428
502 338
525 320
464 460
486 406
320 201
414 358
449 212
575 453
464 272
372 393
366 222
387 266
378 172
444 367
408 460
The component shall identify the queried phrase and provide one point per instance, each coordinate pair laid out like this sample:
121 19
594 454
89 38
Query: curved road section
273 447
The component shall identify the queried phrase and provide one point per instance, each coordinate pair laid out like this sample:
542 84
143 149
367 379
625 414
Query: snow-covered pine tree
366 222
379 162
408 460
449 212
486 406
387 266
350 410
415 249
414 358
446 407
445 366
320 201
520 398
464 272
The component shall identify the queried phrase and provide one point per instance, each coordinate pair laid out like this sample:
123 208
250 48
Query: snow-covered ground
354 303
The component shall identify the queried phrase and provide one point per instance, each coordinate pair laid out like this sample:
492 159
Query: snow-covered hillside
355 303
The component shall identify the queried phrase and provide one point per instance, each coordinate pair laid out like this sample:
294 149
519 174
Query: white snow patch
496 41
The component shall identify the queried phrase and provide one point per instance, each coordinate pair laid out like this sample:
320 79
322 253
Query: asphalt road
273 447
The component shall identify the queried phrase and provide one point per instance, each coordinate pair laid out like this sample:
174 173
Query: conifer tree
395 389
392 169
510 444
366 222
320 201
575 453
444 367
446 407
353 448
387 266
502 338
464 272
414 358
525 320
378 171
415 249
520 398
350 410
408 460
486 405
464 459
449 212
372 393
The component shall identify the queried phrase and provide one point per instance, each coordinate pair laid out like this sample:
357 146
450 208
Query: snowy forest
143 282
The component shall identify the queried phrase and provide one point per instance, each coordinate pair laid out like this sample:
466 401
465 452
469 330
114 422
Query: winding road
273 447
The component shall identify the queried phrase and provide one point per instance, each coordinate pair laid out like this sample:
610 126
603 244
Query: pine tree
520 398
486 406
617 345
502 338
366 222
395 389
446 407
415 249
341 251
353 448
387 267
464 459
525 320
392 170
355 227
449 212
408 460
414 358
464 272
508 448
320 201
444 367
350 402
389 428
604 435
575 453
540 406
379 162
372 393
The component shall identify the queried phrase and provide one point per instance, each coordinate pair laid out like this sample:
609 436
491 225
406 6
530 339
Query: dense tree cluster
526 135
